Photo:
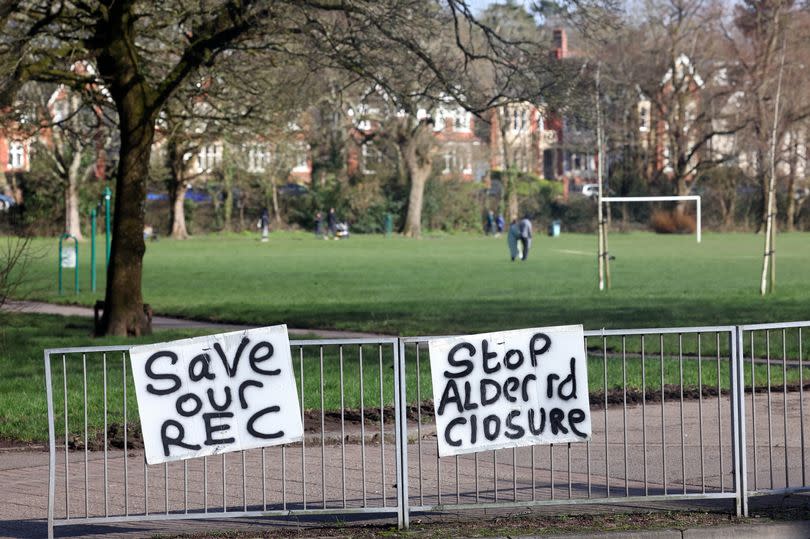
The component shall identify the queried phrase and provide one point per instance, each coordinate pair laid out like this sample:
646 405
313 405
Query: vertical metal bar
663 420
683 437
607 444
185 486
534 486
514 474
401 432
67 438
770 422
205 484
264 480
700 413
495 473
323 431
719 415
475 456
382 427
458 490
166 486
624 416
145 486
588 443
785 404
303 438
126 444
51 443
754 411
644 414
570 485
551 468
801 407
362 426
342 429
224 487
419 425
738 394
244 482
106 469
284 477
86 441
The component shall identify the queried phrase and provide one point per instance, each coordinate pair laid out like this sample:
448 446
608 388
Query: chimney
560 43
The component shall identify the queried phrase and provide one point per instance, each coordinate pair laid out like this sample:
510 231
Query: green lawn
438 285
457 284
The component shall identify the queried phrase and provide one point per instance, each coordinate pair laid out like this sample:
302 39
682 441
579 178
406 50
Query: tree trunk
72 222
228 202
510 190
790 210
274 197
179 230
123 302
416 146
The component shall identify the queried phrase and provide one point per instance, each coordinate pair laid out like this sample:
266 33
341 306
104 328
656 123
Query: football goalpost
603 255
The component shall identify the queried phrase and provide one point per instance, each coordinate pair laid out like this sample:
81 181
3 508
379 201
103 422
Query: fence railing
675 412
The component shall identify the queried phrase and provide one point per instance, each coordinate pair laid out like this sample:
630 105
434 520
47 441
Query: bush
672 222
451 205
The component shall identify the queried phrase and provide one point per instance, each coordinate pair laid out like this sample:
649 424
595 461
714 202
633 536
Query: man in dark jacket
525 227
512 238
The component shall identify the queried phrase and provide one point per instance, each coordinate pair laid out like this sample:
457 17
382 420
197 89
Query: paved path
165 322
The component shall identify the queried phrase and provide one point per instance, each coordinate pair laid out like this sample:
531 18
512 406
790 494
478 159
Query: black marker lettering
183 399
157 376
467 364
211 429
450 395
257 357
534 350
525 389
487 356
555 421
576 416
467 397
539 429
550 386
517 430
252 430
242 387
483 388
510 365
570 379
212 400
450 425
511 384
177 440
231 368
492 433
201 362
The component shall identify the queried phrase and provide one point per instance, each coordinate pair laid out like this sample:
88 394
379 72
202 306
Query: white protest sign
216 394
510 389
68 258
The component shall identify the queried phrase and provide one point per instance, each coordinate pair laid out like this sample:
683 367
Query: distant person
331 221
319 225
499 224
525 227
264 221
489 227
512 239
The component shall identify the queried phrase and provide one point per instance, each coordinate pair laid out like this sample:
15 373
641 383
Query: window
301 158
369 156
258 158
524 119
209 158
643 119
515 120
16 154
462 120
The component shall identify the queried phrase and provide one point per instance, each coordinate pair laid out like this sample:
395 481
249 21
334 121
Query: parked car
6 202
590 189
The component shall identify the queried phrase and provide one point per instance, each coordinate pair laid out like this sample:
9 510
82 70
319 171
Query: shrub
672 222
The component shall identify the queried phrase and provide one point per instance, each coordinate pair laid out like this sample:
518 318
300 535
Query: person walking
331 222
264 220
525 227
512 238
319 225
499 223
489 228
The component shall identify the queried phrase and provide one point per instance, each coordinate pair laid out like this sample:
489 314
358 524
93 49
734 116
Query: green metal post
107 196
93 249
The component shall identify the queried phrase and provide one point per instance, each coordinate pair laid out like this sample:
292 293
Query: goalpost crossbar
672 198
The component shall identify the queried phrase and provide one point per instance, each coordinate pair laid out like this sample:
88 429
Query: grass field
438 285
456 284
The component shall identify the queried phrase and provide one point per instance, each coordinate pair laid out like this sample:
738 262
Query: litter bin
389 224
554 228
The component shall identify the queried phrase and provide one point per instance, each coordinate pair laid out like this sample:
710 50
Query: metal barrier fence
773 368
641 449
348 461
370 444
